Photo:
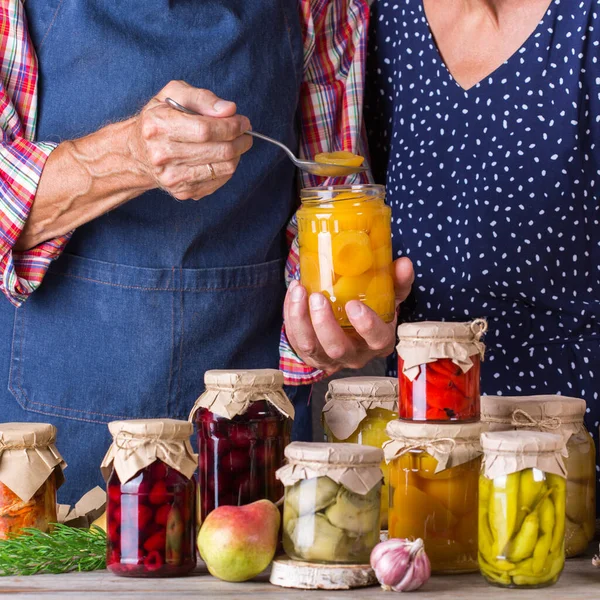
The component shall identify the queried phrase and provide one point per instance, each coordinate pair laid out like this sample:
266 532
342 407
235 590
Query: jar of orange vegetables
344 234
433 478
357 411
438 370
30 472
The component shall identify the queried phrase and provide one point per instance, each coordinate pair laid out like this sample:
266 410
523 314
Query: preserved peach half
351 253
380 294
458 494
382 257
310 273
342 159
380 233
350 288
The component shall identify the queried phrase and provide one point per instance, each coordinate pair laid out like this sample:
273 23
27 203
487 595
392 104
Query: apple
238 542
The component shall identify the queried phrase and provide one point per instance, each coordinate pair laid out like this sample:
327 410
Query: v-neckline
491 74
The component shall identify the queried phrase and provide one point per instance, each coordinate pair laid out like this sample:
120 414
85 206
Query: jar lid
28 456
429 341
356 467
451 444
140 442
547 413
229 393
507 452
348 400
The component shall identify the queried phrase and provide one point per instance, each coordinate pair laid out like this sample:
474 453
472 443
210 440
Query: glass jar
30 475
522 497
564 416
439 370
243 425
344 234
151 512
434 475
357 411
332 502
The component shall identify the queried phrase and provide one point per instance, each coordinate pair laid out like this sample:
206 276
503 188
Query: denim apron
149 296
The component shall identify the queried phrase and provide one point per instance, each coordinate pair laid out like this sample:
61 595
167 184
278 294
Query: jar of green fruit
357 411
522 499
331 511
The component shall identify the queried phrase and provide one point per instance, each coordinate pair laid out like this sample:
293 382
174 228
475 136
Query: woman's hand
320 342
176 149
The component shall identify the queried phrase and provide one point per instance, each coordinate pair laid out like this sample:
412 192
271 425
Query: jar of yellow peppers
357 410
344 236
564 416
522 498
433 477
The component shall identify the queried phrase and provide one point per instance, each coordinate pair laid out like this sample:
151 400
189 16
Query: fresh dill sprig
63 549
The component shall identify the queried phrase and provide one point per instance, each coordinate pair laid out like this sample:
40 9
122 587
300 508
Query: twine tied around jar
129 443
440 445
6 447
521 418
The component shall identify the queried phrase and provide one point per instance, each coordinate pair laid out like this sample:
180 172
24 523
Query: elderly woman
484 123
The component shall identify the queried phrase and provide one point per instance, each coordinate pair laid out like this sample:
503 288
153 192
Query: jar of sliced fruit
344 234
332 502
564 416
433 477
522 498
151 515
30 473
438 370
357 411
243 420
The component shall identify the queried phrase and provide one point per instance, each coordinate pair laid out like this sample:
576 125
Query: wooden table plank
580 581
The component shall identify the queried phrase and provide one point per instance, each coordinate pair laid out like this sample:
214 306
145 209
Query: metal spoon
309 166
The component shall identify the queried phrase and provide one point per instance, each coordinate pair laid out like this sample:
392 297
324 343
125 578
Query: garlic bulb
400 565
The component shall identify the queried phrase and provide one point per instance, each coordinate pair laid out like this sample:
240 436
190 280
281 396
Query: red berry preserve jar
439 370
243 421
151 512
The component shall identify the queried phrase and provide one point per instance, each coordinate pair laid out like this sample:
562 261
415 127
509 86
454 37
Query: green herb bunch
63 549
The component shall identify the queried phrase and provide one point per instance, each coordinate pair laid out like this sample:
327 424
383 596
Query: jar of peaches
561 415
357 411
433 477
31 470
344 234
438 370
243 421
150 510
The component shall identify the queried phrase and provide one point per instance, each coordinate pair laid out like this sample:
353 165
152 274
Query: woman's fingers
202 101
404 277
379 337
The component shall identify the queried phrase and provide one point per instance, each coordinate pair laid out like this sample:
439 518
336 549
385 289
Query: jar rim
327 193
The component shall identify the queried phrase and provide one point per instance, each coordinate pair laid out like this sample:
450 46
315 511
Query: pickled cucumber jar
332 502
438 370
344 234
522 498
433 477
357 411
151 495
31 470
243 422
564 416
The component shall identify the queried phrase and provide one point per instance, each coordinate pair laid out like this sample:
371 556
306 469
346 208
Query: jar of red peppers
30 473
243 420
438 370
151 492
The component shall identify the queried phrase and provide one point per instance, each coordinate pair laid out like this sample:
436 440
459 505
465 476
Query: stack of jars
434 454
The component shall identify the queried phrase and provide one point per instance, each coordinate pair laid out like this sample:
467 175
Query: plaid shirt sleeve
21 159
331 98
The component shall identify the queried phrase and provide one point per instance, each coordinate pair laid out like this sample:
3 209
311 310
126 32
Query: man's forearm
82 180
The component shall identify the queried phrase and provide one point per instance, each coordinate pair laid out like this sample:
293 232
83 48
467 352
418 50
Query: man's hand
319 340
176 149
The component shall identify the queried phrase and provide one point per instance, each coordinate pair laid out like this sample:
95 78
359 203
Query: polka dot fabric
494 191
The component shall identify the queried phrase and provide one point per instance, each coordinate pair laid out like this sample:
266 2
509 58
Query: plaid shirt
334 34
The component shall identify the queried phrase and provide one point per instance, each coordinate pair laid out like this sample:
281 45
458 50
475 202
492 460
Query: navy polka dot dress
495 191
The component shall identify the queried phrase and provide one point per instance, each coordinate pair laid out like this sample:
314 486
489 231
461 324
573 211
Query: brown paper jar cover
229 393
506 452
450 444
428 341
355 467
349 399
28 456
139 443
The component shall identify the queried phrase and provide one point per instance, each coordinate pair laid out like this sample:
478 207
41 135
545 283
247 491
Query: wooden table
580 581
